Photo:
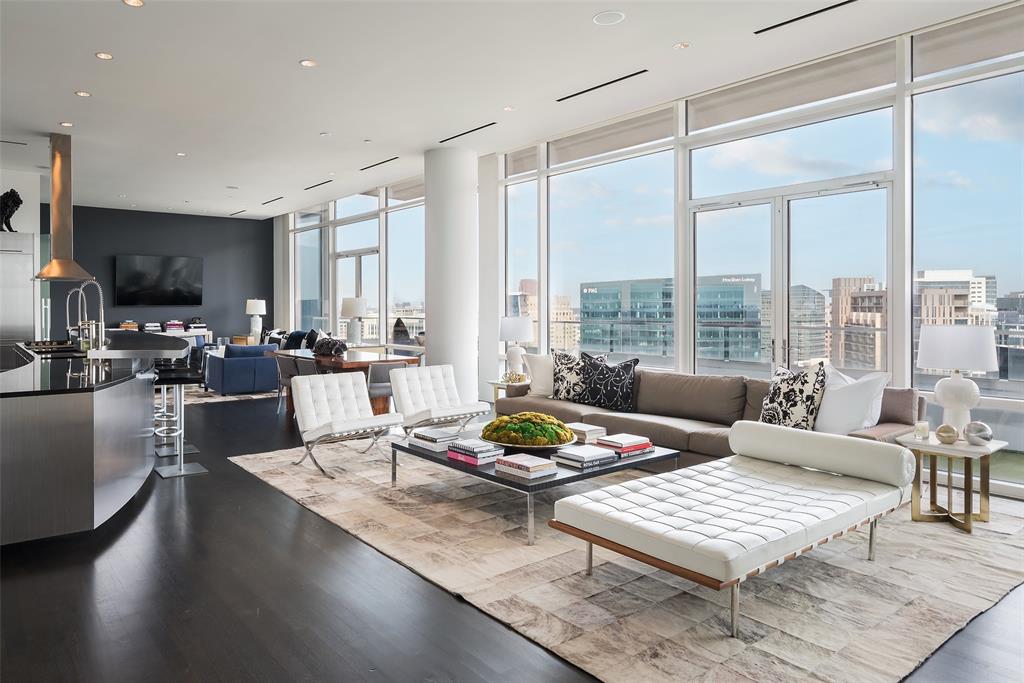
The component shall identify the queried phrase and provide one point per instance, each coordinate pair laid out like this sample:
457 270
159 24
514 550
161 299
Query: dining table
353 360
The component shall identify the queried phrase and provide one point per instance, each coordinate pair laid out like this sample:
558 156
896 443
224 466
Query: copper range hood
62 265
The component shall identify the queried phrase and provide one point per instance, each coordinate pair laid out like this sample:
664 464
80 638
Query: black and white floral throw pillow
568 376
606 385
793 398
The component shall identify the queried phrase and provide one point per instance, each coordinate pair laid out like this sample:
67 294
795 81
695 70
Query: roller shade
850 73
969 42
405 191
639 130
521 161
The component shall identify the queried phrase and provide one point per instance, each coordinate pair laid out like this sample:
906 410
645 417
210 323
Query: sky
616 221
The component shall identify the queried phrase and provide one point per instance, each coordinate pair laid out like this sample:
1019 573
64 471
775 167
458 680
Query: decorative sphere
977 433
946 434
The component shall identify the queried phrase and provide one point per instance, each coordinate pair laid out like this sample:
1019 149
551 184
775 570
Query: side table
933 449
499 385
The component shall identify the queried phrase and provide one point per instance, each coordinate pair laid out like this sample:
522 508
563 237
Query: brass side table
933 449
500 385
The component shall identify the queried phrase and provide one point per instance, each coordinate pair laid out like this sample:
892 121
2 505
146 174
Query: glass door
734 310
838 307
358 275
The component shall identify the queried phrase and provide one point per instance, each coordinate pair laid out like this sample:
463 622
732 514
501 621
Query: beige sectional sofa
693 413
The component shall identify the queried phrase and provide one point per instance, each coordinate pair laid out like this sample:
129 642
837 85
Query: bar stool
173 425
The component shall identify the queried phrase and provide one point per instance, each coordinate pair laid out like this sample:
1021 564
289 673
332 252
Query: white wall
492 271
26 219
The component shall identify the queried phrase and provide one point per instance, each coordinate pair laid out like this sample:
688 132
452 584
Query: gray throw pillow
606 385
793 398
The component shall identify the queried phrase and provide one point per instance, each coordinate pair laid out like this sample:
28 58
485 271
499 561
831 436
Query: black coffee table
563 475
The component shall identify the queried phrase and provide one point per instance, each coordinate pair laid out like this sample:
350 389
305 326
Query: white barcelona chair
336 407
426 395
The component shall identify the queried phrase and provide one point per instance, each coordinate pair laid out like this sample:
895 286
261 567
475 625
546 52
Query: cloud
772 156
990 111
946 179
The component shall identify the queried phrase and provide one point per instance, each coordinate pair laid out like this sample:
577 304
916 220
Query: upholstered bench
720 523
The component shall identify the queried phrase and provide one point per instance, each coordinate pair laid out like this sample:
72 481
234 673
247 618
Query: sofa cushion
713 441
794 398
566 411
568 376
899 405
540 368
670 432
697 397
757 389
727 517
608 385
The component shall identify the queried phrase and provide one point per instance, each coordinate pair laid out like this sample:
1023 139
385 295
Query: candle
921 430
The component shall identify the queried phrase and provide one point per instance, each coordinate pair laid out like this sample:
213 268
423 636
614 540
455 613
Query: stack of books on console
153 327
174 326
196 327
435 439
474 451
525 466
626 445
586 457
129 325
586 433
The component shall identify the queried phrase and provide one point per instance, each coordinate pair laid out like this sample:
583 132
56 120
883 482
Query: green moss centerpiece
528 430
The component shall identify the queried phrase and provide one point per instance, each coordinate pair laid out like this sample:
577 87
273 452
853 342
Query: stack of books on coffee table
586 433
435 439
585 457
474 451
626 445
525 466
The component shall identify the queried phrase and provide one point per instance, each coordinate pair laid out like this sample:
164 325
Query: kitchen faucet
83 309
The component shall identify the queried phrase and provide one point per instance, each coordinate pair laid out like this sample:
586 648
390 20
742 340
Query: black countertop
27 374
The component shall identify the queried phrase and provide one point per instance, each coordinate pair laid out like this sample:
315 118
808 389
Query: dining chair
286 369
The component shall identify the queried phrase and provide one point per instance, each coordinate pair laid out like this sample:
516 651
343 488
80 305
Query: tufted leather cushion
423 392
334 403
728 517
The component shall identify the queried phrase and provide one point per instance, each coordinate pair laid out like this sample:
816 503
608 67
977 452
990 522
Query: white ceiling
221 82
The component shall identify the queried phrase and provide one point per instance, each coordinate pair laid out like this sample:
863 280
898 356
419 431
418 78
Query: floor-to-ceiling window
611 245
309 294
522 256
406 277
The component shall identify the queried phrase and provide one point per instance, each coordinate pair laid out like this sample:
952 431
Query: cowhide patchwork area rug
195 394
830 615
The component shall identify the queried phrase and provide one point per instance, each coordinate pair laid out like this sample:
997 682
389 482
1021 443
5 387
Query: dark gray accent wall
238 263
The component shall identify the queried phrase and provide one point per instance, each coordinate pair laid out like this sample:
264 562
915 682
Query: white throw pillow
850 404
540 367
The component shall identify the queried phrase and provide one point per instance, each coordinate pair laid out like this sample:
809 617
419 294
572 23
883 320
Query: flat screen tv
158 280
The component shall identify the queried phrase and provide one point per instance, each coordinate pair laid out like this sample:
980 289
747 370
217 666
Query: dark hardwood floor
220 577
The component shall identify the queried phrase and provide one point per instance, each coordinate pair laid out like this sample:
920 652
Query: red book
626 450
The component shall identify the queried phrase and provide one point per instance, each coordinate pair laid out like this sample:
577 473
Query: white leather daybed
723 522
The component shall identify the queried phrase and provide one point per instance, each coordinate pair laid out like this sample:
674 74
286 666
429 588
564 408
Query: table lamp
519 329
256 308
967 348
354 308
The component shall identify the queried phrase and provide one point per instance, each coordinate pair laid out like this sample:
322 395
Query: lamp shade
255 307
353 307
957 347
518 329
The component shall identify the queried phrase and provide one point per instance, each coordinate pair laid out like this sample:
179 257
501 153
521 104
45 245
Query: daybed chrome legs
309 454
590 558
734 603
871 540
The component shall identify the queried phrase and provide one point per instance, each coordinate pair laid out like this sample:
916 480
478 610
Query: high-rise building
564 331
807 325
628 317
729 318
858 323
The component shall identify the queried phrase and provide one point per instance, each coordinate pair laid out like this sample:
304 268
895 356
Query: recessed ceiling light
186 201
308 63
134 3
133 205
367 141
105 56
681 46
509 107
83 93
123 196
324 133
609 18
66 124
231 187
331 173
179 154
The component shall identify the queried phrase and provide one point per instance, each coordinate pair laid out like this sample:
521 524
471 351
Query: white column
492 272
452 297
283 279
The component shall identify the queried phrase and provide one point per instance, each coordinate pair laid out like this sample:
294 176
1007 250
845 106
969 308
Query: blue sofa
242 370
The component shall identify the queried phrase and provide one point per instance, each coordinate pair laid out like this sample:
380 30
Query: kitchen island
76 435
